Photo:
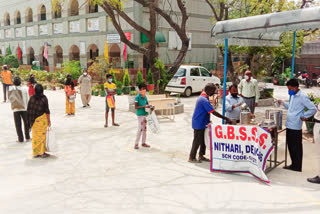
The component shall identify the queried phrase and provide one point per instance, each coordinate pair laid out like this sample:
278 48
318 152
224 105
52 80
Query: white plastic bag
316 133
51 144
153 122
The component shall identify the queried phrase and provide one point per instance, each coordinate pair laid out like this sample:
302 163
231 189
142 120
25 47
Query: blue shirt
201 115
296 110
233 114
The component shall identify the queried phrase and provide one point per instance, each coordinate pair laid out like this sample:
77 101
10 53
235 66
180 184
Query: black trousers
5 90
294 141
17 120
198 141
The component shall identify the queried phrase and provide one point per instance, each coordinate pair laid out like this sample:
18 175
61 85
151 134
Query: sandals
204 159
145 145
45 155
115 124
194 161
136 147
105 125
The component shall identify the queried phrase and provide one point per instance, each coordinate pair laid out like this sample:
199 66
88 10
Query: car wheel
188 92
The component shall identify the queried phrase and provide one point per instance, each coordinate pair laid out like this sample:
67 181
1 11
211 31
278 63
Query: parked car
191 79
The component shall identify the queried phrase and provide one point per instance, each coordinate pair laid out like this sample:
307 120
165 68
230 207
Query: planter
92 92
275 82
132 88
269 91
131 100
150 87
282 82
126 90
102 93
119 91
96 93
310 126
54 88
267 80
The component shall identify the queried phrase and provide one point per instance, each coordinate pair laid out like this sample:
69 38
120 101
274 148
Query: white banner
24 47
240 149
30 31
19 32
93 24
43 30
3 51
113 39
82 48
58 28
74 27
8 33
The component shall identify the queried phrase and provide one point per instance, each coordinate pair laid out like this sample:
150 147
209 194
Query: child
200 120
141 103
110 100
31 83
70 96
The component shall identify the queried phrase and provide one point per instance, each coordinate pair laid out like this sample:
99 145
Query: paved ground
97 171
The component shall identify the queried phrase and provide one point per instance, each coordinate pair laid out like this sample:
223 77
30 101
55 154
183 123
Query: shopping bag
316 128
153 123
16 100
51 144
72 98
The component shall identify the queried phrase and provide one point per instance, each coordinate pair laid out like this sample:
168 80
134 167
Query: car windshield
181 72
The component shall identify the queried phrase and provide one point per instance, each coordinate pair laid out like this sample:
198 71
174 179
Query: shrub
11 60
150 80
119 84
1 60
102 87
114 80
139 78
126 78
74 68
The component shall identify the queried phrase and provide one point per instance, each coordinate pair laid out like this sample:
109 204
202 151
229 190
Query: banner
113 39
240 149
43 30
30 31
74 27
58 28
93 24
19 32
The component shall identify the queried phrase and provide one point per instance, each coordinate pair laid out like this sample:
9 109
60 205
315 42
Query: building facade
79 30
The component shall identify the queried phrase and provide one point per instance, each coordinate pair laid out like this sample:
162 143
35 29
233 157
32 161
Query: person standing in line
110 88
6 77
200 121
39 120
70 91
316 140
85 82
31 83
299 102
249 91
20 111
141 103
233 103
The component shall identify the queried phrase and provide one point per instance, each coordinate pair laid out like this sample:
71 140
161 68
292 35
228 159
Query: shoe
315 180
136 147
194 161
291 168
146 145
88 105
84 106
204 159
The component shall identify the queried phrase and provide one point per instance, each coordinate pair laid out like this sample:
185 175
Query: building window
7 19
73 9
92 8
57 11
29 15
18 18
43 13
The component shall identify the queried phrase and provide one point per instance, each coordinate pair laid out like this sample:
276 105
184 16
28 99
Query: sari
39 134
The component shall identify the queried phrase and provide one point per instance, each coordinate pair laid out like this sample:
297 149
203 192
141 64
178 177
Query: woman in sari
70 91
39 121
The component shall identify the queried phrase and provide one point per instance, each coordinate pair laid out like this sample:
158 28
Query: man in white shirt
249 91
233 103
20 110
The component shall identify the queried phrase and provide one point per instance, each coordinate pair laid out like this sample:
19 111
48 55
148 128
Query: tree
11 60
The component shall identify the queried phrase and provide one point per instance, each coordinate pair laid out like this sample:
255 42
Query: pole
225 78
293 53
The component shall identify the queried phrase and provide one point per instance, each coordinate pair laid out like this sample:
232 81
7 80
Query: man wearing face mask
200 121
296 115
85 82
233 103
249 91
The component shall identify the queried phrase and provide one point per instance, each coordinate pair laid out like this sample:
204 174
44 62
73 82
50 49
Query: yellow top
110 86
6 76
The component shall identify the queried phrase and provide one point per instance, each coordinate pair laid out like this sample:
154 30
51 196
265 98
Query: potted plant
119 87
126 82
139 78
74 68
150 81
151 92
96 90
310 123
102 91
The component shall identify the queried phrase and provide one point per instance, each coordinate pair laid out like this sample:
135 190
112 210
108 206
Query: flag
45 52
19 53
125 52
9 50
106 52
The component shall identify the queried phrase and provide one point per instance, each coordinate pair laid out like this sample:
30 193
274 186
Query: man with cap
249 90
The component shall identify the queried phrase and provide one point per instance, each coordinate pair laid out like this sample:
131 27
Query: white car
191 79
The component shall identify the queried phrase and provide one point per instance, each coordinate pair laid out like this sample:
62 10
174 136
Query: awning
159 38
265 30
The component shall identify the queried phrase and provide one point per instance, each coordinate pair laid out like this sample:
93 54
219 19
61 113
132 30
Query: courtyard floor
96 170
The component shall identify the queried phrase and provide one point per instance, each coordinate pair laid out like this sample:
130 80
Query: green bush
11 60
119 84
1 60
114 80
150 80
102 87
139 78
126 78
72 67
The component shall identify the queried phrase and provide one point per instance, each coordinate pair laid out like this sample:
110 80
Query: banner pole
225 78
293 53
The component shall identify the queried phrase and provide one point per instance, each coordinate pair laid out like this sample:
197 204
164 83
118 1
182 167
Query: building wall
198 24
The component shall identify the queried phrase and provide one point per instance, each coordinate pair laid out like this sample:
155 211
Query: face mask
85 74
290 92
235 95
109 80
246 77
143 92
